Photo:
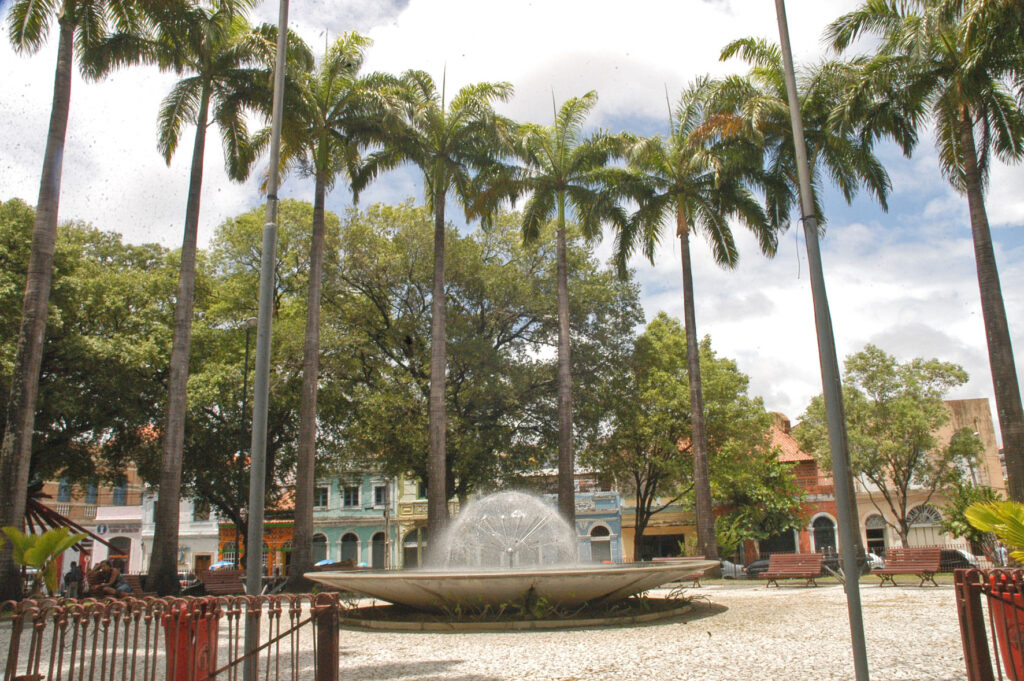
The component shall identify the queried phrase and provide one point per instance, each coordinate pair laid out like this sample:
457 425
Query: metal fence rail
990 607
171 639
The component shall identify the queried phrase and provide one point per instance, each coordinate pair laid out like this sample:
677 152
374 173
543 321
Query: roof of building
789 450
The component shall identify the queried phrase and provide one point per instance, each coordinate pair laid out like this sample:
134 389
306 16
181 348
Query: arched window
350 547
90 494
600 544
229 551
824 530
319 548
924 514
377 551
874 530
413 546
120 495
64 491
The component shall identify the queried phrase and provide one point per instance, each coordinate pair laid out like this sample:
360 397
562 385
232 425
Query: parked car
187 579
754 569
954 559
731 570
875 561
223 565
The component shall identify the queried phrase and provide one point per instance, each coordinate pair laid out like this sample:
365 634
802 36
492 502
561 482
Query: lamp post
846 500
249 325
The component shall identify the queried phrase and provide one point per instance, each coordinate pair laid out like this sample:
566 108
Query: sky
903 280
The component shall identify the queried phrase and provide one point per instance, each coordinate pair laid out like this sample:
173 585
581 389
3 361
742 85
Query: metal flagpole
846 507
261 379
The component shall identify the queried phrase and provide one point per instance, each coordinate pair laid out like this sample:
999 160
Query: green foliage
960 497
893 412
647 448
500 396
41 551
108 337
1005 519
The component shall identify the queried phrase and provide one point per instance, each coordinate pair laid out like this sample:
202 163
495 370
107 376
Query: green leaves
40 551
1005 519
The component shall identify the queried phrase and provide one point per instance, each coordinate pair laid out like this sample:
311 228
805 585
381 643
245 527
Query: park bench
793 566
922 562
223 582
696 576
135 582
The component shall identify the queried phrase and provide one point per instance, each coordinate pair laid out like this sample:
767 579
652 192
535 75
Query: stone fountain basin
477 588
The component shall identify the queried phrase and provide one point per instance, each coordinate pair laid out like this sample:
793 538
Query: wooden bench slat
922 562
223 582
793 566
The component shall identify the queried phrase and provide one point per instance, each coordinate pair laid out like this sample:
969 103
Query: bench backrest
926 557
135 582
800 562
223 582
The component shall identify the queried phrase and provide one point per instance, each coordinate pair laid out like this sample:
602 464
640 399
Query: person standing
72 580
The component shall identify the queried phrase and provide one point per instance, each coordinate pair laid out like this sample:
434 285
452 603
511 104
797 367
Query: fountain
508 547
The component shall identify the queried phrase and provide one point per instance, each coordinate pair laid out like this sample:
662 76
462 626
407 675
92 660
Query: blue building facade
353 520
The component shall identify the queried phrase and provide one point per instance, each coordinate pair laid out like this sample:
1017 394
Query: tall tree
323 137
225 63
892 413
696 180
939 73
103 35
451 143
565 171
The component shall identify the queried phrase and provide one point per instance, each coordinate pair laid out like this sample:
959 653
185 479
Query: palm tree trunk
566 488
302 537
163 566
701 477
16 450
437 493
997 332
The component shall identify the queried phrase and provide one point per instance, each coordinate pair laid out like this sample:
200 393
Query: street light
249 324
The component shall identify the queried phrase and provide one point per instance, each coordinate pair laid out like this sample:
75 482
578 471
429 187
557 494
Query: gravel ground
736 631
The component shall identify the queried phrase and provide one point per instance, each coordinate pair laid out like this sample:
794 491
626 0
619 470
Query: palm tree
322 139
843 154
225 63
565 170
940 71
104 34
452 144
696 179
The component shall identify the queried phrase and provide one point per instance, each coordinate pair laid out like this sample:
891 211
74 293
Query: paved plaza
736 631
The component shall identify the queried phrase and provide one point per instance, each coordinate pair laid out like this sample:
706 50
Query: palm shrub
41 551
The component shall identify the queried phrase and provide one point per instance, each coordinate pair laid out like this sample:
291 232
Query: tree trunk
16 450
163 565
302 538
566 465
437 493
701 478
997 332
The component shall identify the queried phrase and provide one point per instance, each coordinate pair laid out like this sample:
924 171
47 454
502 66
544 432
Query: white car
732 570
875 561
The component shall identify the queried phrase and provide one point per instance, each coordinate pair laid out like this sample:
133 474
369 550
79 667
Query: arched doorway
122 549
413 546
350 547
824 530
377 551
319 547
600 544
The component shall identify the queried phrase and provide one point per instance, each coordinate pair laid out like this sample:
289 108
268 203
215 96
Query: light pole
249 325
846 507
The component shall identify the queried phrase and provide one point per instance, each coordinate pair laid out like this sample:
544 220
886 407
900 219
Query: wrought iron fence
990 607
171 639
